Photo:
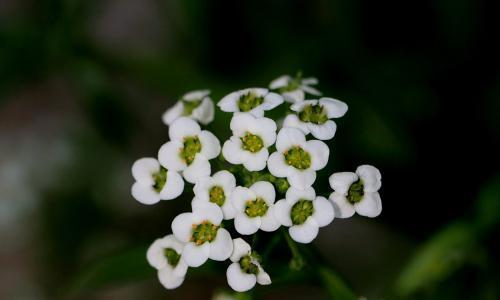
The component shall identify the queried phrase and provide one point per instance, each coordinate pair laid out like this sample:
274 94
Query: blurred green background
83 85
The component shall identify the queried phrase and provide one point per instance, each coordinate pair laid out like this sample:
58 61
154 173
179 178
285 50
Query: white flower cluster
259 162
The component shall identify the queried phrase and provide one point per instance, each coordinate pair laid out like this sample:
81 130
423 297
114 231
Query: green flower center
298 158
172 256
204 232
249 101
251 142
315 114
356 192
293 85
189 106
160 179
248 263
217 195
301 210
256 208
191 147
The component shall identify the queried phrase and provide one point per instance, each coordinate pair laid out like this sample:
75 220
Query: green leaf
488 206
334 285
438 258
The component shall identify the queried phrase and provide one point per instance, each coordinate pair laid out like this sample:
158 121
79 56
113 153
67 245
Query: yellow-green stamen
301 210
298 158
192 146
256 208
251 142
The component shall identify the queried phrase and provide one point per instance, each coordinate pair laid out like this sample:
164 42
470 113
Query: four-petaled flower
165 255
254 208
293 89
304 213
216 189
154 183
297 159
357 192
204 237
245 270
196 105
252 100
250 141
189 149
313 116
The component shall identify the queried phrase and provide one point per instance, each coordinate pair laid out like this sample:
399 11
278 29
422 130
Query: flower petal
183 127
280 82
310 81
241 122
272 100
294 194
282 211
173 113
289 137
145 194
256 161
228 210
169 156
240 249
208 211
301 179
143 168
263 278
232 151
204 113
265 128
335 108
269 222
371 177
324 131
245 225
304 233
181 269
239 280
210 145
342 207
195 95
240 196
199 168
323 211
370 206
292 120
294 96
173 186
196 255
229 103
341 181
226 179
310 90
222 246
168 279
155 256
182 227
277 165
319 152
264 190
299 106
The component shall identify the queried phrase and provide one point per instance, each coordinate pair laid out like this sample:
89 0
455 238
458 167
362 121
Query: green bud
282 185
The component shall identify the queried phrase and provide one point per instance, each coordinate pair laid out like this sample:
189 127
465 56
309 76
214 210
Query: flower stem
297 261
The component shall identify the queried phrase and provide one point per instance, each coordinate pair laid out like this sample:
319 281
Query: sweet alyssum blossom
297 159
196 105
154 182
216 189
165 255
254 208
250 141
357 192
204 237
245 270
189 149
304 213
293 89
314 116
252 100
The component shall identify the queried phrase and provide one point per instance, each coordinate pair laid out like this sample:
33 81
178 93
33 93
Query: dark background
83 85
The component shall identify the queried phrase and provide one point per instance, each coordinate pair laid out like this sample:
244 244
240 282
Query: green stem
297 261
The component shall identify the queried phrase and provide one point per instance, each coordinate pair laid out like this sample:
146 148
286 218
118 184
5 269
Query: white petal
323 211
293 121
265 128
232 151
319 152
370 206
229 103
226 180
269 222
195 95
342 207
222 247
196 255
173 186
280 82
181 269
255 161
263 278
272 100
371 177
304 233
245 225
258 111
299 106
182 227
239 280
310 90
145 194
310 81
183 127
240 249
210 145
173 113
204 113
241 122
277 165
260 92
289 137
202 187
294 96
170 157
143 168
335 108
228 210
341 181
155 256
294 194
208 212
324 131
199 168
168 279
240 196
282 211
301 179
264 190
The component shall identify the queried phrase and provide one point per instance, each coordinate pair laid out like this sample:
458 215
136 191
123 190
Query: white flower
165 256
251 138
189 149
245 270
252 100
195 105
304 213
203 235
357 192
254 208
297 159
294 89
216 189
313 116
154 183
